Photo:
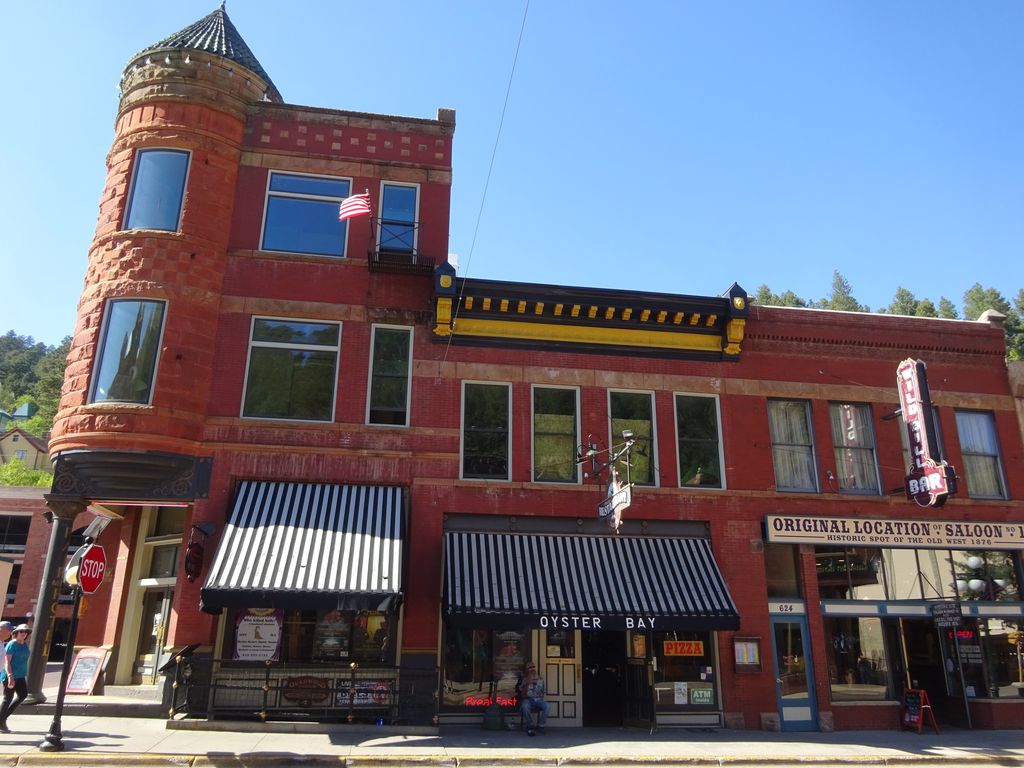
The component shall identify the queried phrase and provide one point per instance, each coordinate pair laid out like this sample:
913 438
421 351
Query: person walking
14 673
6 628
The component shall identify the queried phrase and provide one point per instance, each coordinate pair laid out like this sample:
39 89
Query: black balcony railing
396 248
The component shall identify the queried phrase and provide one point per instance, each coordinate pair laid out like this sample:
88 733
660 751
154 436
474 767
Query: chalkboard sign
916 709
85 670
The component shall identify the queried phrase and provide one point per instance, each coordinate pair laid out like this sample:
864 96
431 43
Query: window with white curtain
854 441
980 449
789 422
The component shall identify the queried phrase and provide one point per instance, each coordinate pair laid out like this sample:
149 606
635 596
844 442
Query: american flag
357 205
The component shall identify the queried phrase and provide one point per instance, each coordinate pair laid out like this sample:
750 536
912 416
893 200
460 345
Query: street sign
91 568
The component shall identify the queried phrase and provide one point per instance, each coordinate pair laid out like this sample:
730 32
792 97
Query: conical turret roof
216 34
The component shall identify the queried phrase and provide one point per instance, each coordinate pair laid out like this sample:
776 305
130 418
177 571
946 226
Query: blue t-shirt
19 660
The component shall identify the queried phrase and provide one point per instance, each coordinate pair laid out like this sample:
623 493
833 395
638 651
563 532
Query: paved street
135 741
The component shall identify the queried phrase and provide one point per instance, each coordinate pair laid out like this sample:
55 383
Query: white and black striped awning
308 545
507 580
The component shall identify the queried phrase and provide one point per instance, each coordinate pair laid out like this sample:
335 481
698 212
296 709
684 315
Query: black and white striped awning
507 580
307 545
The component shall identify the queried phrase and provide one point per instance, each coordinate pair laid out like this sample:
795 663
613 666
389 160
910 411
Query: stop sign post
91 568
85 574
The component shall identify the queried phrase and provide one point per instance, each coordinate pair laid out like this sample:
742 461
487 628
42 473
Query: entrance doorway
604 656
931 667
558 658
156 612
794 676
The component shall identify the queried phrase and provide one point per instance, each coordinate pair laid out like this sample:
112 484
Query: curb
283 760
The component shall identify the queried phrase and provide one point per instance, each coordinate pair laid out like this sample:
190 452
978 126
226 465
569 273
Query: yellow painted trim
644 315
677 318
444 317
711 320
662 315
609 313
627 313
695 318
504 305
734 334
521 307
558 310
627 337
539 308
592 313
487 304
468 303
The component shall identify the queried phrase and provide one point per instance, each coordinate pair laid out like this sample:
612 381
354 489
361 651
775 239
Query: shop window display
857 663
298 636
481 663
684 677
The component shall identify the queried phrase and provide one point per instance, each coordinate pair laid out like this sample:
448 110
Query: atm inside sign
683 647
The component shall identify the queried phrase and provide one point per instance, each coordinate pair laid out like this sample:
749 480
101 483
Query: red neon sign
931 480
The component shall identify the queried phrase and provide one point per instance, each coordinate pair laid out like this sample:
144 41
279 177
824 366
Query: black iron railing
344 693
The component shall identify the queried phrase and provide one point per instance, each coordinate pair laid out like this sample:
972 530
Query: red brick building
362 486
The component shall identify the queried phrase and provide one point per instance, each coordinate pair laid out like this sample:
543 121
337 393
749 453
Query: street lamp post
54 739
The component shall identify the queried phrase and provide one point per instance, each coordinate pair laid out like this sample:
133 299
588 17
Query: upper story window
157 189
700 447
129 347
302 214
14 532
398 210
979 446
486 415
789 422
292 371
854 441
390 369
634 412
555 435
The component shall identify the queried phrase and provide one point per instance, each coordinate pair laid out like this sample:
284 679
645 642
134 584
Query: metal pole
54 740
960 667
62 514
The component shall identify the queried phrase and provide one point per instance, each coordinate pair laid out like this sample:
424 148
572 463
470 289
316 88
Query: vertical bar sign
931 480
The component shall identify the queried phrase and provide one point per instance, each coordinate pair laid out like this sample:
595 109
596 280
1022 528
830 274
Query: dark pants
20 688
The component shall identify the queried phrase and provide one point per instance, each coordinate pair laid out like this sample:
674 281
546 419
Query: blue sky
662 146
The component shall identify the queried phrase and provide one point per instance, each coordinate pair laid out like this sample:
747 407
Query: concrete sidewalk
110 741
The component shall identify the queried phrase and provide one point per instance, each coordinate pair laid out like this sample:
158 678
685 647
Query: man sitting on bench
531 699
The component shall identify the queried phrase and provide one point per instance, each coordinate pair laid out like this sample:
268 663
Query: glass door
156 612
559 662
794 675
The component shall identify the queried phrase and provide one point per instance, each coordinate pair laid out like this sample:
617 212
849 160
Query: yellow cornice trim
579 334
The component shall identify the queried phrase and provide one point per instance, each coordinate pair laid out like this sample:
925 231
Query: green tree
977 300
14 472
18 357
903 303
49 372
766 298
841 298
925 308
947 309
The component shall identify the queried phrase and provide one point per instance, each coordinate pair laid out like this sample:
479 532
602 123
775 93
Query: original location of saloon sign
931 480
860 531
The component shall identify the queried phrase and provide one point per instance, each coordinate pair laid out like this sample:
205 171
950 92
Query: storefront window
782 571
481 663
850 573
985 575
684 677
262 634
858 667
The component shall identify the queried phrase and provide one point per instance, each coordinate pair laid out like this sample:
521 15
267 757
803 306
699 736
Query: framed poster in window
747 652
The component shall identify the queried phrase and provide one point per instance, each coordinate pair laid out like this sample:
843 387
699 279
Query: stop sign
91 569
